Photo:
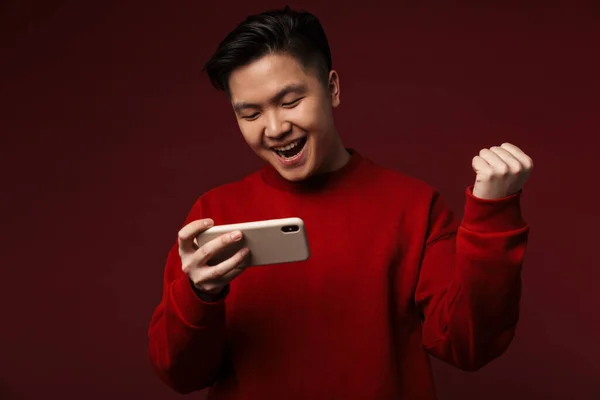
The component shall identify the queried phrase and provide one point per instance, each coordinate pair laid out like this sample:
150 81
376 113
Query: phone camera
290 228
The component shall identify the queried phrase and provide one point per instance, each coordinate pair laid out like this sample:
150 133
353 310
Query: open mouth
291 150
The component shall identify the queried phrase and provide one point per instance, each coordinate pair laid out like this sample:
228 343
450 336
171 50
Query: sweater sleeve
186 334
469 285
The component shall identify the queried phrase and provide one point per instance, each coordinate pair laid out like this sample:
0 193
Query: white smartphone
273 241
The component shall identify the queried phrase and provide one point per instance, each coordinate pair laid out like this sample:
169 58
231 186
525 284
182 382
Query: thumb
480 166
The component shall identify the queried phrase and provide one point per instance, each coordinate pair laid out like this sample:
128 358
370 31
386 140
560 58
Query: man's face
284 113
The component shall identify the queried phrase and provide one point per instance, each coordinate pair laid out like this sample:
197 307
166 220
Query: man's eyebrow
292 88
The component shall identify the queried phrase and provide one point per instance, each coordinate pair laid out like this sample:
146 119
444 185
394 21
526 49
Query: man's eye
292 103
250 117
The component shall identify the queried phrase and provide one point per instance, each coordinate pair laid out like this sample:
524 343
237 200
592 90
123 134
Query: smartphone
273 241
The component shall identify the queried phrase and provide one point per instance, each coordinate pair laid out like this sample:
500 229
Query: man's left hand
501 171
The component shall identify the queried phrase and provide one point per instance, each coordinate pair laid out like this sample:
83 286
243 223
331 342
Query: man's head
276 69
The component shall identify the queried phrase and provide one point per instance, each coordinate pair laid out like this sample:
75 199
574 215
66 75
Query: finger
513 163
209 249
225 271
187 235
523 158
481 166
237 270
497 164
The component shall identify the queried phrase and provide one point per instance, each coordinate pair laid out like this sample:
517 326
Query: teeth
288 147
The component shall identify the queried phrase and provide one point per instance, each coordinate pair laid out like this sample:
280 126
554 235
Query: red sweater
392 278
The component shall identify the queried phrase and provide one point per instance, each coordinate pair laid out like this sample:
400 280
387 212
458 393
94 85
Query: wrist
210 296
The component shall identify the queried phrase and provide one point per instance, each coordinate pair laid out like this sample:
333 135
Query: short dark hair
296 33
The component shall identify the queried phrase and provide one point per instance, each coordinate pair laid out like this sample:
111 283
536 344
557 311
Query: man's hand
501 171
208 279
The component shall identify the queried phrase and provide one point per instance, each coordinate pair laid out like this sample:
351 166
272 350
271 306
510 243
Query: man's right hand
208 279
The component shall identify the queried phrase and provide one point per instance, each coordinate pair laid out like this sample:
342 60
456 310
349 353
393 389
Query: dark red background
109 131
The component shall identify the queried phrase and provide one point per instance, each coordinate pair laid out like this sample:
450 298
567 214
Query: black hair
296 33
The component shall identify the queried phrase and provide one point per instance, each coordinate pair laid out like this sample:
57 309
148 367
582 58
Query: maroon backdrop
109 131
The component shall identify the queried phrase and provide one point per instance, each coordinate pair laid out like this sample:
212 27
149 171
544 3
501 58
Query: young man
392 276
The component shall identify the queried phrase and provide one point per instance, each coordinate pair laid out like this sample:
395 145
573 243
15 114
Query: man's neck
337 158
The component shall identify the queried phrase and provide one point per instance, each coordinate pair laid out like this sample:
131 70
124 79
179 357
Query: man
392 276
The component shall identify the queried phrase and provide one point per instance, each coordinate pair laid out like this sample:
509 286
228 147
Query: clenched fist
501 171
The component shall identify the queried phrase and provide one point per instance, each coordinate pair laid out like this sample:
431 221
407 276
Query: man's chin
297 174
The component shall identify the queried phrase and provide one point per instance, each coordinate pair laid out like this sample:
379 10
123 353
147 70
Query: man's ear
333 87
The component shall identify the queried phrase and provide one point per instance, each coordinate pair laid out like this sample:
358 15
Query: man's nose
276 127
